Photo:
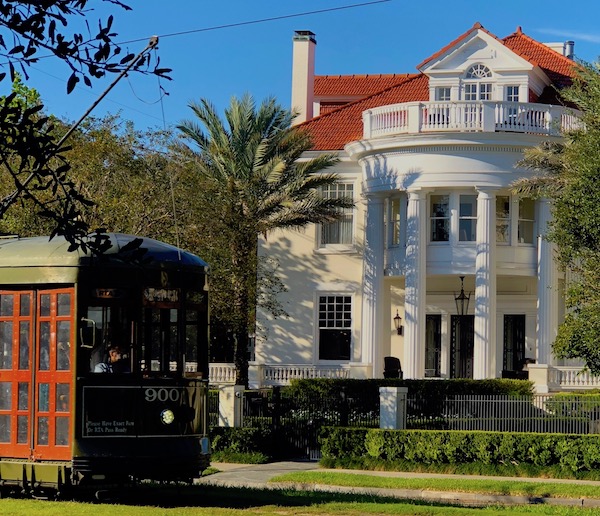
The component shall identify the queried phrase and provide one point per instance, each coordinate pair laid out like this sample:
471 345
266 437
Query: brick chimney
303 75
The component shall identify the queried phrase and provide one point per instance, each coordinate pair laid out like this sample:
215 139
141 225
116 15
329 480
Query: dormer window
475 88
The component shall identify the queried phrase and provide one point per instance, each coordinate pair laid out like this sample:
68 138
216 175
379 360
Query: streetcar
63 424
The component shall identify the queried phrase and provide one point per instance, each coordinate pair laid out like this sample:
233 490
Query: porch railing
269 375
221 373
282 375
573 378
478 116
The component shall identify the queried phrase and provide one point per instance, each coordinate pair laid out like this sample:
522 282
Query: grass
221 501
522 470
461 485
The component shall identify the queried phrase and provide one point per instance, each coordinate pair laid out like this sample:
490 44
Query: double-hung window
439 216
339 231
526 221
467 223
442 94
512 94
395 222
512 110
335 327
503 219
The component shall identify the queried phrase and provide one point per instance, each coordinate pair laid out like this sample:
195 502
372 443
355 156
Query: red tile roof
559 69
354 85
335 129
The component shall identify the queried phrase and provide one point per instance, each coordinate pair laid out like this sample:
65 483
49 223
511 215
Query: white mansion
429 158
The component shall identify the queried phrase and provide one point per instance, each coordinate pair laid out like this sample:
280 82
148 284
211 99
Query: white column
484 350
413 364
547 290
372 293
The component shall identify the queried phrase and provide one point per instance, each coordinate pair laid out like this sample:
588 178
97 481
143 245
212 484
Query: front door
513 357
36 360
461 346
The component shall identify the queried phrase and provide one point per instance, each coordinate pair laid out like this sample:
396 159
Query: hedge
432 389
567 451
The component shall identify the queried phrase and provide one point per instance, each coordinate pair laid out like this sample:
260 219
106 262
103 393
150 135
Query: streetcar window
44 364
173 340
64 304
6 345
25 305
44 397
23 403
61 437
160 339
45 305
24 345
191 342
62 397
22 427
6 305
42 434
109 326
63 347
5 395
5 429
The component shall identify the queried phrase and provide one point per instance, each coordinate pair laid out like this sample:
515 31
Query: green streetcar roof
43 252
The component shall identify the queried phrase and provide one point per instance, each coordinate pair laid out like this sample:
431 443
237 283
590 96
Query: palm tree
253 179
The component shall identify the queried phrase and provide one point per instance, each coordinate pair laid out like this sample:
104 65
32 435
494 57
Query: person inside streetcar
115 362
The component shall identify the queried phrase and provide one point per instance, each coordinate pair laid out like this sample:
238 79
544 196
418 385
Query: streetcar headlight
167 416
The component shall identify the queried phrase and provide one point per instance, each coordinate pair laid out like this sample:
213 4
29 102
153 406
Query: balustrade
482 116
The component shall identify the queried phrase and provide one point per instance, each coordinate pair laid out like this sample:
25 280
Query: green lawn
462 485
221 501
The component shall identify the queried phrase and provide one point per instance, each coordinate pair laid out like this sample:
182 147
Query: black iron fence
544 413
213 407
296 417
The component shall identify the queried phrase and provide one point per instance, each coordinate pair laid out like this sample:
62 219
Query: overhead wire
227 26
260 20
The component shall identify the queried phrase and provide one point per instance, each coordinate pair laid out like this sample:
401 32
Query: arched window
475 87
478 71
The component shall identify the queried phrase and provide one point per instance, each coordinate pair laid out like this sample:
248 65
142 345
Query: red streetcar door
16 365
53 374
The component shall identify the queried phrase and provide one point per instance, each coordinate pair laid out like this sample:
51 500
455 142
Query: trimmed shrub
431 389
567 452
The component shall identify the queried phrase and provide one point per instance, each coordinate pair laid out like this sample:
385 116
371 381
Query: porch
546 378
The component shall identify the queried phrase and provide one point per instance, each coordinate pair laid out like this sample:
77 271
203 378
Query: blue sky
217 63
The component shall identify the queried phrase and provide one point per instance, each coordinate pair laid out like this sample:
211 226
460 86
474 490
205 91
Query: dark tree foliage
29 149
569 176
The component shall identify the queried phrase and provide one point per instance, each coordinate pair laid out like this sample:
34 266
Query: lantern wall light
398 324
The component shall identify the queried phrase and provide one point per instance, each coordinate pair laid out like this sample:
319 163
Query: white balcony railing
465 116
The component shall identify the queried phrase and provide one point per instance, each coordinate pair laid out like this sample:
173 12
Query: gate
296 418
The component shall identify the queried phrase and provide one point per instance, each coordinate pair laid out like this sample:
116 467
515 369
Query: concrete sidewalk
258 476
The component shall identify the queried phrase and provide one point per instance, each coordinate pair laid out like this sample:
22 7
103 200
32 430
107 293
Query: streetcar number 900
162 395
